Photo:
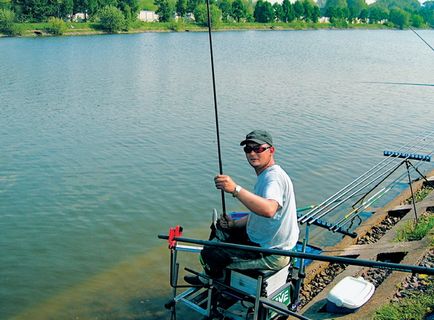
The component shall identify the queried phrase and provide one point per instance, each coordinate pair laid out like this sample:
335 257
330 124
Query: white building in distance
148 16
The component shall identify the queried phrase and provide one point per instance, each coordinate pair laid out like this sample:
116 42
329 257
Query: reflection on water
108 141
118 293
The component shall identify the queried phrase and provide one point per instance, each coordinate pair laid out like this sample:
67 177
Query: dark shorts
216 259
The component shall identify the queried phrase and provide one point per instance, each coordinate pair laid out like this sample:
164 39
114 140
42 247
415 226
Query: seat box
246 281
349 295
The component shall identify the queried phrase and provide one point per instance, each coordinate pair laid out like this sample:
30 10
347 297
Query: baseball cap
258 136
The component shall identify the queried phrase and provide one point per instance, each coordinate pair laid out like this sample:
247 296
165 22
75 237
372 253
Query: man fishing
272 223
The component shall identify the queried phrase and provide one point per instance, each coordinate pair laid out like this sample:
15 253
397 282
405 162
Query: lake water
107 141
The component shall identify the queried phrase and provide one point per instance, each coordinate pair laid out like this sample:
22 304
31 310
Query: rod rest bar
350 261
404 155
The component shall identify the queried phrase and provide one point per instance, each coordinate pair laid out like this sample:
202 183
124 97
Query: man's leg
215 259
267 262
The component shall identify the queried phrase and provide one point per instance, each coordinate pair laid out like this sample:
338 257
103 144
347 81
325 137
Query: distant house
148 16
78 17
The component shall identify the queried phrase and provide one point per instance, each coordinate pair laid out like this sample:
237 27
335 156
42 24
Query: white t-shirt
281 231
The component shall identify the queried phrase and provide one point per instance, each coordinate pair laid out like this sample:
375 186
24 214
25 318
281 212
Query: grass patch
412 231
420 194
414 307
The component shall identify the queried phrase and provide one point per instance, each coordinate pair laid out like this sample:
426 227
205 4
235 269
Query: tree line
401 13
41 10
115 14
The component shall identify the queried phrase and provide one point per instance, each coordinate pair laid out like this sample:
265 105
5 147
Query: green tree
130 8
239 10
35 11
201 15
192 4
364 14
427 12
355 7
165 10
399 17
377 13
278 12
316 14
181 7
406 5
263 12
336 10
111 19
65 8
308 6
226 9
288 12
92 7
298 9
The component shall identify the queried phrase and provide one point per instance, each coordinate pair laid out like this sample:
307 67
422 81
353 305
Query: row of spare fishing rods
373 184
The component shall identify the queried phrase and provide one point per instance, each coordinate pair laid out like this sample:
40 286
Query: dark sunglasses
257 149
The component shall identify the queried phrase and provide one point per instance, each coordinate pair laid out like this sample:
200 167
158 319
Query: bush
56 26
177 25
339 23
17 30
111 19
417 21
7 18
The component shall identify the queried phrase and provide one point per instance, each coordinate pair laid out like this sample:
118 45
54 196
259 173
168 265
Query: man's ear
272 150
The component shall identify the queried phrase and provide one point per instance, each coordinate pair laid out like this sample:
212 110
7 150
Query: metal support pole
411 189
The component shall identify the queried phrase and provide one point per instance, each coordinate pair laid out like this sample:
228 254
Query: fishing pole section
219 152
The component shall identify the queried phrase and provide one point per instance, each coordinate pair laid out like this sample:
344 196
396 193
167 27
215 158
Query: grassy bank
86 28
415 307
416 295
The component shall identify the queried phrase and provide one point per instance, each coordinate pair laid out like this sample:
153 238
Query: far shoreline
37 30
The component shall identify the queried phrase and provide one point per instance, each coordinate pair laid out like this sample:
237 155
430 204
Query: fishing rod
422 39
302 255
400 83
215 105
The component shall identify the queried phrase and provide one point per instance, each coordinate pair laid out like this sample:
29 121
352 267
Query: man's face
259 155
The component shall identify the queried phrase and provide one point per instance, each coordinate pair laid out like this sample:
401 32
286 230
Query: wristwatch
236 191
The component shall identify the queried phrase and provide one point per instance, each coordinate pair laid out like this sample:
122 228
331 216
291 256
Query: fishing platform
266 295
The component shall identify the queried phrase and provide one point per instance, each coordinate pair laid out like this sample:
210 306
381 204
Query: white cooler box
349 295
